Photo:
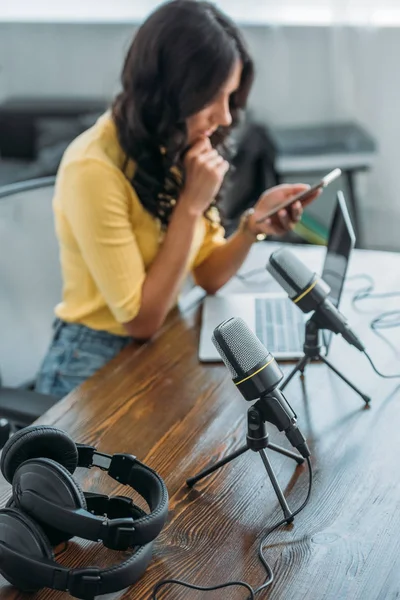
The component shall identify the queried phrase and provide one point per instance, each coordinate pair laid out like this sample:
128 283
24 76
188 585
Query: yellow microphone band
305 292
252 375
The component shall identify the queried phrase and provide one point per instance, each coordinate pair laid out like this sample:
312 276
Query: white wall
305 74
61 59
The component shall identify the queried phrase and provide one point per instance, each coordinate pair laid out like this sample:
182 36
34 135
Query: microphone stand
256 440
312 351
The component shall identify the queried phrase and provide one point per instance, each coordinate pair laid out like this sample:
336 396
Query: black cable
380 321
368 293
200 588
385 320
385 376
296 512
375 327
261 556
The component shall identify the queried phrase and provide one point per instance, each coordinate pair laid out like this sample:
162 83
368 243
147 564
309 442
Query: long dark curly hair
177 63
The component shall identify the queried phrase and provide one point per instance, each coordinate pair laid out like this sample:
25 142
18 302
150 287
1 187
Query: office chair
30 286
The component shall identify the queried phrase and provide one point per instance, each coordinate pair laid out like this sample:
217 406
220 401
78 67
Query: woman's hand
205 171
286 218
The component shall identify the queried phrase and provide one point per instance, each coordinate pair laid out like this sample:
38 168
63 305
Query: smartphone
303 195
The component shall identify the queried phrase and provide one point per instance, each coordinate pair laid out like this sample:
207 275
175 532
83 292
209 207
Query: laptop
276 320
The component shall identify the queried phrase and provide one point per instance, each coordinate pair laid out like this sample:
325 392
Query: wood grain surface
179 416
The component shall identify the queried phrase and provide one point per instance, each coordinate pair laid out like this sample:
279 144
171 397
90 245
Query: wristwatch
244 227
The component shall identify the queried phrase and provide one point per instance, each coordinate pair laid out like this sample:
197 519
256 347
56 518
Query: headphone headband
89 457
48 506
86 583
120 531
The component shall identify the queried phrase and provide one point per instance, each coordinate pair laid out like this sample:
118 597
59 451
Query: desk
178 416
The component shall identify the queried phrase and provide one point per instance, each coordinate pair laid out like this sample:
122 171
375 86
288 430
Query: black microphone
256 374
310 293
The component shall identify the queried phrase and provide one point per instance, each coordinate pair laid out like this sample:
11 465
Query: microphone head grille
289 272
239 347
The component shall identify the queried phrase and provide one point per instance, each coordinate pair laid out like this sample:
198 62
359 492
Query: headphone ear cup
38 441
55 536
20 533
51 481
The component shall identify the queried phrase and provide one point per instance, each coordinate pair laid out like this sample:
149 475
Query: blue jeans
75 354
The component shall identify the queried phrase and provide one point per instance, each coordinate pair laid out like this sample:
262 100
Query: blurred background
327 94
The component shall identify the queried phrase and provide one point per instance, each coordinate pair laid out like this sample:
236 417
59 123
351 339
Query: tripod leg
366 398
299 459
192 480
282 500
299 367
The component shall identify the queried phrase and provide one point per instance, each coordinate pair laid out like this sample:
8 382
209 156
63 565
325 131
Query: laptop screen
340 244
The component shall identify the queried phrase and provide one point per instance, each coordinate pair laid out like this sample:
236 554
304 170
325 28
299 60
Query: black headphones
39 462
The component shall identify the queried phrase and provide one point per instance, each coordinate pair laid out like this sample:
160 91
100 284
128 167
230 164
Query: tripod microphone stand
256 440
312 351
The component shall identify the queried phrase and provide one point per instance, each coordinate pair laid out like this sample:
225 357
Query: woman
135 194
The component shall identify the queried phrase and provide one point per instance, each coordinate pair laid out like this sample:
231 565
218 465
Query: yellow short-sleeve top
107 239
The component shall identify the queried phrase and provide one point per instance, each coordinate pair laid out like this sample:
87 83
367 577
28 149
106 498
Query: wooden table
157 402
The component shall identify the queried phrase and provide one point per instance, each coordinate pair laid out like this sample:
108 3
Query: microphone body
327 316
256 374
276 410
310 293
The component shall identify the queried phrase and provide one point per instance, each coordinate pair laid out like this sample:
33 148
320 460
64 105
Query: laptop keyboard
279 325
